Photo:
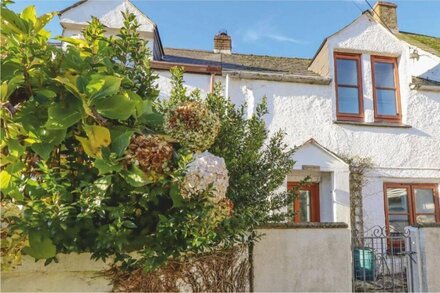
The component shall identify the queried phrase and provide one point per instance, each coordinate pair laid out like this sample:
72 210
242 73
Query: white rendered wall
109 13
307 111
303 260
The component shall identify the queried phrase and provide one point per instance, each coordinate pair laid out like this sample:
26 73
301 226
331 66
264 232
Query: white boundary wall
73 273
303 258
426 271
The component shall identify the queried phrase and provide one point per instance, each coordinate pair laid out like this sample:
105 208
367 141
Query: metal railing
383 262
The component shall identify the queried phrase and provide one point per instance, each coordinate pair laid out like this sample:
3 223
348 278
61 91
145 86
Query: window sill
373 124
305 225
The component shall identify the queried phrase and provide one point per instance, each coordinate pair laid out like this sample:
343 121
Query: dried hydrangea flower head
152 153
204 172
193 125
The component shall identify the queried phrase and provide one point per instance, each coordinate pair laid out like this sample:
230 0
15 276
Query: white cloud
265 30
282 38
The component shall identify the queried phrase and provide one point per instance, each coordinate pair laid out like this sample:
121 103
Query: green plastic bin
364 264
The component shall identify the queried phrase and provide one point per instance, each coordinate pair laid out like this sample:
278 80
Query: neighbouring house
370 91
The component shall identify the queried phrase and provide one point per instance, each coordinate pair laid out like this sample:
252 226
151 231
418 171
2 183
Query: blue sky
279 28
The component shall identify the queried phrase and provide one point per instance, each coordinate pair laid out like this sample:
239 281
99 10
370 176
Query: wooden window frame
412 215
315 211
347 116
386 118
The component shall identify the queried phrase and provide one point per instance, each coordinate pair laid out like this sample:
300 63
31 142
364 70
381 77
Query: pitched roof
241 62
424 81
72 6
429 44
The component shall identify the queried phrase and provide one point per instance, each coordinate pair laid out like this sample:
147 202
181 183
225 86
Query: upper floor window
385 89
348 80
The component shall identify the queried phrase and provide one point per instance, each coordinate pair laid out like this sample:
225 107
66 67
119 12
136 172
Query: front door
306 203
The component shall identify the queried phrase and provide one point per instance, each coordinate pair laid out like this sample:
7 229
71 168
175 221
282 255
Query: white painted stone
73 273
307 111
303 260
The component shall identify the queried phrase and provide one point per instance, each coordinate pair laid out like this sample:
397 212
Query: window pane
425 219
386 102
397 200
398 223
384 74
304 206
424 200
347 71
348 100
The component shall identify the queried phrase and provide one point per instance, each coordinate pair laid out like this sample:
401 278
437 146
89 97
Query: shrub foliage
95 162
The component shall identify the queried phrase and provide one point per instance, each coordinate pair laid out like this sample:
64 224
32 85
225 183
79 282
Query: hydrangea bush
192 124
95 163
206 172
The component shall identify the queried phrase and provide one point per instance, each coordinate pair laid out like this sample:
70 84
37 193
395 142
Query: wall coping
291 225
427 225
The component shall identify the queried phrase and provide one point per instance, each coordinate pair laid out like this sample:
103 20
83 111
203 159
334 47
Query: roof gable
108 12
311 153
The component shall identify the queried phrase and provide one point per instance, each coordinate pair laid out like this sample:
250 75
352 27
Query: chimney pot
385 13
222 43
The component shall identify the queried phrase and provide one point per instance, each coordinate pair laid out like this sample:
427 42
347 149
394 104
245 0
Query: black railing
383 262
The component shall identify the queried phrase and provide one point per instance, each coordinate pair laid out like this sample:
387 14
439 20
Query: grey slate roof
241 62
423 81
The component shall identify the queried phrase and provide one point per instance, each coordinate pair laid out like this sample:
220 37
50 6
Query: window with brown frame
306 204
386 94
348 81
409 204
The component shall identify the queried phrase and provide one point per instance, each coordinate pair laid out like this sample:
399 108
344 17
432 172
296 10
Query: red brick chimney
385 13
222 43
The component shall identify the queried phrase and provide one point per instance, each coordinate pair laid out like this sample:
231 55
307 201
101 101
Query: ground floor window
306 203
409 204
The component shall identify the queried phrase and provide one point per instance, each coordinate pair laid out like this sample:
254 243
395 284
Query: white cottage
370 91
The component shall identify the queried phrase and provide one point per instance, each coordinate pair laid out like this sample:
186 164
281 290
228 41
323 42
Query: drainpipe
212 82
227 86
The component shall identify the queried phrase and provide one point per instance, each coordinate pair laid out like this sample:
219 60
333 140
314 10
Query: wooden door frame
315 212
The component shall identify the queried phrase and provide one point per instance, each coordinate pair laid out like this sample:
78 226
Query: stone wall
303 258
73 273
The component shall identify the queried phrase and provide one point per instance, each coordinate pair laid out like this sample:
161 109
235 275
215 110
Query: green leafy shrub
95 167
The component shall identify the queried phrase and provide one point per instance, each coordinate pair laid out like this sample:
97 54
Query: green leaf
15 167
68 85
63 115
44 95
175 196
10 21
43 20
15 148
103 183
40 246
53 136
29 14
97 137
115 107
142 106
5 179
120 142
152 120
129 224
107 166
49 139
8 87
102 86
43 149
135 177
